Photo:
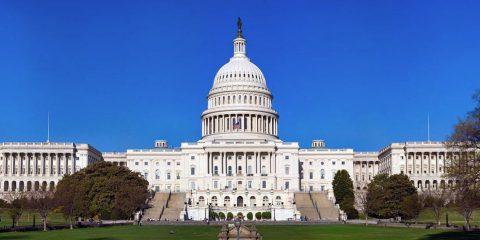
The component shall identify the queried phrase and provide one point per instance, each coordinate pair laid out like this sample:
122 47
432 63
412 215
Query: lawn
27 219
453 217
330 232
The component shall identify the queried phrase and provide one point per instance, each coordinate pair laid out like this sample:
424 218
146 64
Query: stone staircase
158 202
175 205
306 207
327 209
316 206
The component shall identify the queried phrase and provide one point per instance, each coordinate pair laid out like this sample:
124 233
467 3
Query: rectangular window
287 185
145 163
249 184
215 184
136 163
264 184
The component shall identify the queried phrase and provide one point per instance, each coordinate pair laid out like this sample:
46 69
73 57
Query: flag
237 124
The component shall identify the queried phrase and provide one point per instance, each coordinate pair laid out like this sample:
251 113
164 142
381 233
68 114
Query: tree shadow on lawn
13 237
453 235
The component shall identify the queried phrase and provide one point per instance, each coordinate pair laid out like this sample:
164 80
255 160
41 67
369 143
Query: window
168 176
136 163
249 170
192 157
343 162
157 174
178 175
168 163
310 163
287 170
333 163
157 189
249 184
311 175
192 185
322 174
321 163
287 185
145 163
229 184
287 157
215 184
178 163
264 184
229 171
215 170
192 170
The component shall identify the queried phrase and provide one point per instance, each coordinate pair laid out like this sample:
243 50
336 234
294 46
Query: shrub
258 215
266 215
250 216
240 215
229 216
221 215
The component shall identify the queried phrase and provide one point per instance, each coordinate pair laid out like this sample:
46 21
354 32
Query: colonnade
37 164
227 123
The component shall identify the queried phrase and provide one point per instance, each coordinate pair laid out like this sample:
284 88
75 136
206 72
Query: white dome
239 103
239 71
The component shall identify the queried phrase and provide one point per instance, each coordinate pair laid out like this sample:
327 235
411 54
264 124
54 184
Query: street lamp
237 224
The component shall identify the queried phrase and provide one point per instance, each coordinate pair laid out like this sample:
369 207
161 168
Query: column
256 163
27 161
236 163
246 164
221 159
270 162
65 159
35 164
208 162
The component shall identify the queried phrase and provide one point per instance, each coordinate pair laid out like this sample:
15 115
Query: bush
347 207
240 215
258 215
250 216
229 216
266 215
221 215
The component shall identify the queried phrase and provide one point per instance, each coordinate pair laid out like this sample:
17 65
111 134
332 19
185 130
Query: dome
239 103
239 71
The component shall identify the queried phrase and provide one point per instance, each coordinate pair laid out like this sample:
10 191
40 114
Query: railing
314 205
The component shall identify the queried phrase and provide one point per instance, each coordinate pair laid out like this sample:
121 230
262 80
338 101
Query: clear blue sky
120 74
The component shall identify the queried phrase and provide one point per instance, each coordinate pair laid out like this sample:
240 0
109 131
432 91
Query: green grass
453 217
27 219
330 232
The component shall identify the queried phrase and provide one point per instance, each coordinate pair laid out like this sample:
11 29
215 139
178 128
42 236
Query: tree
102 190
240 215
221 215
386 197
229 216
266 215
16 204
343 191
258 215
250 216
362 203
43 202
436 201
411 207
464 169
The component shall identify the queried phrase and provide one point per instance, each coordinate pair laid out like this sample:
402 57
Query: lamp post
237 224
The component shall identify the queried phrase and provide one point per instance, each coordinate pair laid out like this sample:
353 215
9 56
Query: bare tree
362 203
436 200
464 166
43 202
16 205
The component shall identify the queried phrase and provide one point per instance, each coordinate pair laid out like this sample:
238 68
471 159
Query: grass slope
331 232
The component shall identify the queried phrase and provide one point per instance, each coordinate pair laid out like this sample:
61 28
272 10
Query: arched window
253 201
265 201
214 201
278 200
201 201
264 169
226 201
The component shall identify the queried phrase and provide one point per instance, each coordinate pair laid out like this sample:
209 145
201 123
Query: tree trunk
366 220
45 224
71 224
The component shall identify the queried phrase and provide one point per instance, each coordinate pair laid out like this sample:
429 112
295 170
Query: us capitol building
239 165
